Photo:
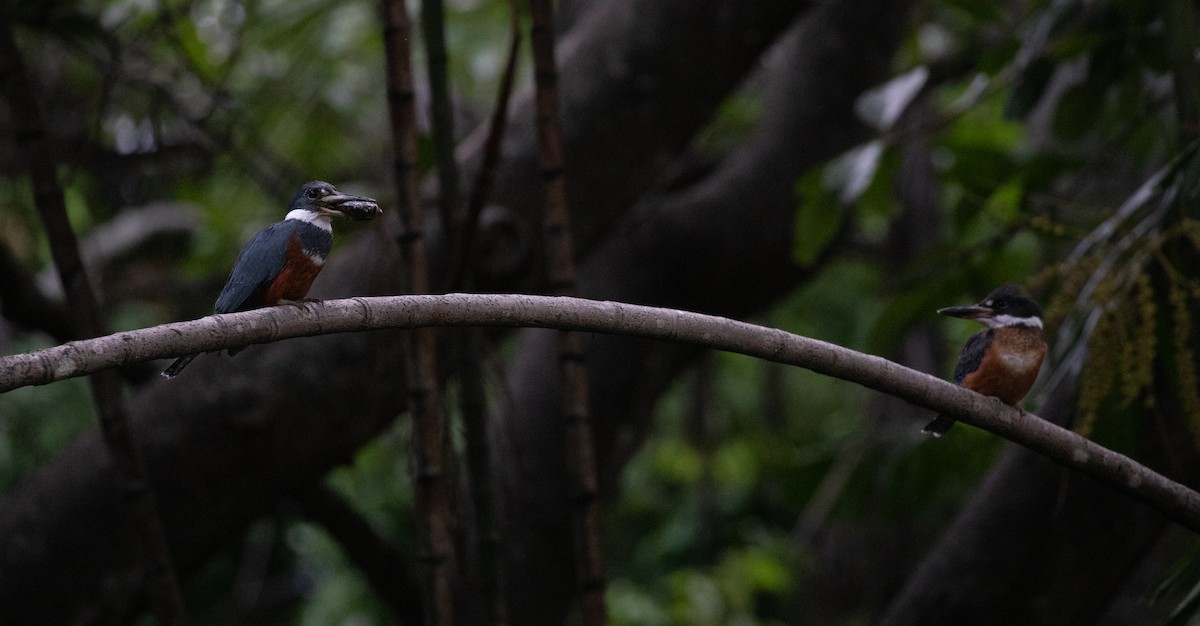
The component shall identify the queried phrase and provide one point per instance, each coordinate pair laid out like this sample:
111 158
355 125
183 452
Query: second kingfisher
281 262
1002 361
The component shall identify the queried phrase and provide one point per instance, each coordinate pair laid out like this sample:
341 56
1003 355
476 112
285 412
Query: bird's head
319 199
1006 306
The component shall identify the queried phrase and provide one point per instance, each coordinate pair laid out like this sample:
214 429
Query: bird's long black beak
353 207
970 312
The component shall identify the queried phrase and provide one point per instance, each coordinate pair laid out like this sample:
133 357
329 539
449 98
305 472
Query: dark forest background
839 169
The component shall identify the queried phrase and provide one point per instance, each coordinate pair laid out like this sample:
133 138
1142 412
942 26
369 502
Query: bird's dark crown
1009 300
1006 306
318 202
310 193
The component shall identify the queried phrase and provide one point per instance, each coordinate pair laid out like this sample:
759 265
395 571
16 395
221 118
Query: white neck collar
1009 320
322 221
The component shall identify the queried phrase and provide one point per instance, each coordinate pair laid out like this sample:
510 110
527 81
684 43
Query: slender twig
469 349
486 176
560 270
433 19
429 449
217 332
469 344
161 583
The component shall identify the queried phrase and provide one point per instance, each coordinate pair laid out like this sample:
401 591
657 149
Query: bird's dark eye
1001 304
314 193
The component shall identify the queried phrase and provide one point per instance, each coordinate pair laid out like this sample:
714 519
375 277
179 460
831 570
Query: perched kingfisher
1003 360
280 263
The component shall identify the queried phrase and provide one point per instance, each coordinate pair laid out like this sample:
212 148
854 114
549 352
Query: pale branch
215 332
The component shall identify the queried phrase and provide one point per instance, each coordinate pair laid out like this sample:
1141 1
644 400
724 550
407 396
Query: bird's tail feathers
173 370
939 426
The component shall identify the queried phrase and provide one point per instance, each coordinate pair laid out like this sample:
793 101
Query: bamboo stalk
560 270
429 450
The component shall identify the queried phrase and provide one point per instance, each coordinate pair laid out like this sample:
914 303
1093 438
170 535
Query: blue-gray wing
972 354
257 265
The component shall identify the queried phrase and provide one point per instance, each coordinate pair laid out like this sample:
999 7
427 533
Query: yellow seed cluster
1125 346
1120 365
1098 376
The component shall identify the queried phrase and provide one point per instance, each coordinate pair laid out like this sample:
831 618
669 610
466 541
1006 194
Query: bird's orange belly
298 274
1008 379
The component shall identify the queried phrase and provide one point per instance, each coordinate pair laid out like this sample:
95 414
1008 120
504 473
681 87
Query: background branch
380 562
158 571
630 97
23 302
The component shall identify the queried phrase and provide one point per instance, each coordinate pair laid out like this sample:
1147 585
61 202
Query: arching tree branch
215 332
